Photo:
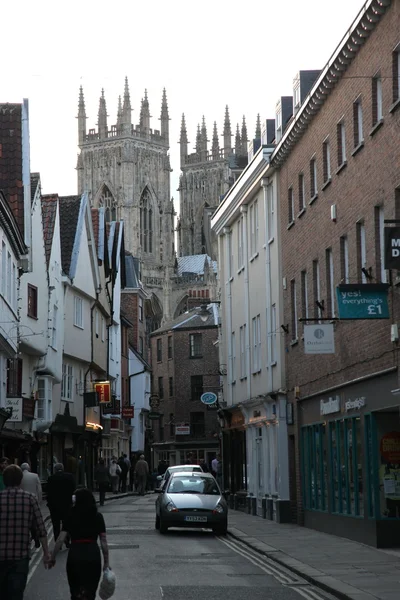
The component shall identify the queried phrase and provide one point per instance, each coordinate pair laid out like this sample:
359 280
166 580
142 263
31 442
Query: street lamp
5 413
204 312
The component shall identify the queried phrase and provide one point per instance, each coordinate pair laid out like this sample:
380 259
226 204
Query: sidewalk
342 567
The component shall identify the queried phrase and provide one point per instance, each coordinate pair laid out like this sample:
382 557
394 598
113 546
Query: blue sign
363 301
208 398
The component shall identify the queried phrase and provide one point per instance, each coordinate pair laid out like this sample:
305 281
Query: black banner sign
392 248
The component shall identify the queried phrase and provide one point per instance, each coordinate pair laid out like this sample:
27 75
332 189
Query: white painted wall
140 394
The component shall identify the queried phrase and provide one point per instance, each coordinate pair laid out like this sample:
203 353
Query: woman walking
84 525
115 472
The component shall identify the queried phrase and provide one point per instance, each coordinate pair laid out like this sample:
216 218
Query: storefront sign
182 430
390 447
319 339
355 404
16 405
363 301
209 398
128 412
237 419
103 389
153 416
28 408
392 248
332 405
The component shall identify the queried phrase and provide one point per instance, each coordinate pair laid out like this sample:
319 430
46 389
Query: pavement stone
346 569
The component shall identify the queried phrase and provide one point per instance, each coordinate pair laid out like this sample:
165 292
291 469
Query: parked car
163 479
191 499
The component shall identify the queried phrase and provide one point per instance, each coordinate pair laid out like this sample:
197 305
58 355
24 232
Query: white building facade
140 389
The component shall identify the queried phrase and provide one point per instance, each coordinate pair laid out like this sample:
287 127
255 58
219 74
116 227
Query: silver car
191 500
162 480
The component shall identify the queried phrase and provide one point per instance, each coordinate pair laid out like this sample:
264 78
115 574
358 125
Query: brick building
185 364
339 180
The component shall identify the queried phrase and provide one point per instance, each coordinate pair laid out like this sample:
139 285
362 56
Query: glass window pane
359 467
350 466
334 469
342 466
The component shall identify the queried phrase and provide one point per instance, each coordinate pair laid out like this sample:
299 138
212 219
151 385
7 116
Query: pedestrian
141 472
203 465
102 476
60 488
83 525
4 462
124 473
115 471
20 512
132 472
128 465
162 467
31 483
214 464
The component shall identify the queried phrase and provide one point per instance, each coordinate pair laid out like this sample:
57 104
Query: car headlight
171 507
218 509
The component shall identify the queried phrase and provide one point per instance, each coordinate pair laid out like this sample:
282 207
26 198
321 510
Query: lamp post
5 414
204 312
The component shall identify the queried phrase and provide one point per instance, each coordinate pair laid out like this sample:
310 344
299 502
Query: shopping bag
107 585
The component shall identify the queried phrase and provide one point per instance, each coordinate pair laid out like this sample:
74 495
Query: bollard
254 507
235 502
264 508
270 509
248 505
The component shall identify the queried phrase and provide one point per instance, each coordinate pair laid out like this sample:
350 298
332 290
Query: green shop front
350 458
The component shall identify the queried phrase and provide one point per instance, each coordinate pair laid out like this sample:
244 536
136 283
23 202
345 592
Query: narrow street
182 565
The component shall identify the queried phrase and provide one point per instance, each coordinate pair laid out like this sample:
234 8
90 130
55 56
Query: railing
158 281
150 134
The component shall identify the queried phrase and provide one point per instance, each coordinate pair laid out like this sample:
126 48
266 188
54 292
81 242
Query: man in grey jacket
31 483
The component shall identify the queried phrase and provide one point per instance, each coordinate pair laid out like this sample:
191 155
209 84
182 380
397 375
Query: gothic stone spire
227 133
164 117
145 114
81 117
244 137
238 141
258 128
119 114
215 143
183 141
126 110
102 117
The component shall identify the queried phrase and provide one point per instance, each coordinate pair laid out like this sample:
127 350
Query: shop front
350 451
234 452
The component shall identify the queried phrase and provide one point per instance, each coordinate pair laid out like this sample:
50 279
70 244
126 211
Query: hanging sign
209 398
128 412
363 301
392 248
103 389
182 430
16 404
319 339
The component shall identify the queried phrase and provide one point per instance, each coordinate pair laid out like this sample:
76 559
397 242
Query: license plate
196 519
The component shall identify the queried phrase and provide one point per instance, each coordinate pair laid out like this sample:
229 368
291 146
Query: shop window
315 467
385 454
32 301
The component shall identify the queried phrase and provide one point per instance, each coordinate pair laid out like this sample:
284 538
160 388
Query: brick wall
130 308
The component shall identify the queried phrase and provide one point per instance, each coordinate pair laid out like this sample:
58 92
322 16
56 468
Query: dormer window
278 122
296 93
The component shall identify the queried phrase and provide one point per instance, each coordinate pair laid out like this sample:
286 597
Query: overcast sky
209 54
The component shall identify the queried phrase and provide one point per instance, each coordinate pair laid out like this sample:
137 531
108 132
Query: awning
66 424
18 436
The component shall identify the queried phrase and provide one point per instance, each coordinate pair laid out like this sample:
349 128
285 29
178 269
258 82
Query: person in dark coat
102 476
60 489
124 473
204 466
162 467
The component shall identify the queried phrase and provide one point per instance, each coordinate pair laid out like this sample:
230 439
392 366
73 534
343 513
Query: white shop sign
16 405
182 430
355 404
332 405
319 339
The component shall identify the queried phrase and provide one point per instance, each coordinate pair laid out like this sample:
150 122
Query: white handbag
107 585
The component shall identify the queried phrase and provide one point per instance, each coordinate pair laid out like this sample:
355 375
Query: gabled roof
69 213
49 211
35 182
191 320
195 264
11 176
132 271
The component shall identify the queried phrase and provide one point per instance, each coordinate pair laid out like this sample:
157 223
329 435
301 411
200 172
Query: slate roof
195 264
95 221
49 211
132 271
69 213
35 179
11 160
191 320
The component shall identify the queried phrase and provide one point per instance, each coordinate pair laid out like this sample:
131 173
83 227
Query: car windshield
183 468
193 485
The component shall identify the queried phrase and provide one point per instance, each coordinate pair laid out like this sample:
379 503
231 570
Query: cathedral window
146 223
107 201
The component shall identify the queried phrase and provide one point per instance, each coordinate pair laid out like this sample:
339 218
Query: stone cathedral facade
126 169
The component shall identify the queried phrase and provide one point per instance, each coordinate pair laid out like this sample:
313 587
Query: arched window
146 222
107 201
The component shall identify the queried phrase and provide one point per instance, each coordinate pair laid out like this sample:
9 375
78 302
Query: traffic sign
209 398
363 301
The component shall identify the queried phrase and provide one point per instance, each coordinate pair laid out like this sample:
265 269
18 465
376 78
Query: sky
206 55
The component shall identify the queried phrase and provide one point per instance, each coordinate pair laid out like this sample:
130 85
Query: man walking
141 472
102 476
60 489
20 513
4 462
31 483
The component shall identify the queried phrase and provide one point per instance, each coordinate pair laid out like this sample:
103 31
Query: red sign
390 447
128 412
103 390
28 407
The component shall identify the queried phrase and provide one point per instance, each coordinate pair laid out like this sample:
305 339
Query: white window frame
273 357
271 212
67 382
396 57
363 251
78 312
295 332
296 94
243 372
331 281
379 99
291 205
342 143
346 259
304 283
327 159
54 328
240 238
233 374
360 122
302 187
44 402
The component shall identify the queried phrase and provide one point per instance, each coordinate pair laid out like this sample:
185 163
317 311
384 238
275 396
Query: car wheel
220 529
163 528
157 524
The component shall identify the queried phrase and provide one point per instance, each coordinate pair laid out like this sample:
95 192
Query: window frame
195 348
32 304
293 299
196 387
326 161
290 205
67 393
358 125
302 191
14 378
313 178
78 312
396 74
159 349
169 347
377 99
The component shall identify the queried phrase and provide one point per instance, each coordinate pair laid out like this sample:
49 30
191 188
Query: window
197 425
196 387
290 205
141 309
313 178
316 289
358 123
43 404
304 295
315 467
159 350
294 309
3 268
296 93
9 278
271 212
161 388
380 243
146 222
377 114
233 357
243 370
54 328
326 157
396 74
240 243
14 377
254 228
66 382
231 257
171 387
141 345
361 253
341 144
302 192
103 329
106 200
78 312
344 259
273 335
196 345
96 322
330 288
32 301
14 301
256 327
170 346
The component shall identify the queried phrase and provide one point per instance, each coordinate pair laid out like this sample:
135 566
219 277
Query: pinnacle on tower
183 141
164 117
238 141
126 120
119 114
258 128
244 136
198 140
81 104
227 133
145 114
81 117
102 117
215 142
204 140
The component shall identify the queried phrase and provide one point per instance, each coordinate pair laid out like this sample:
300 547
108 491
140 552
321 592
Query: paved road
182 565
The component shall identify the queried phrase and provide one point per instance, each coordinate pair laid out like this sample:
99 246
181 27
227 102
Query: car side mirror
159 477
